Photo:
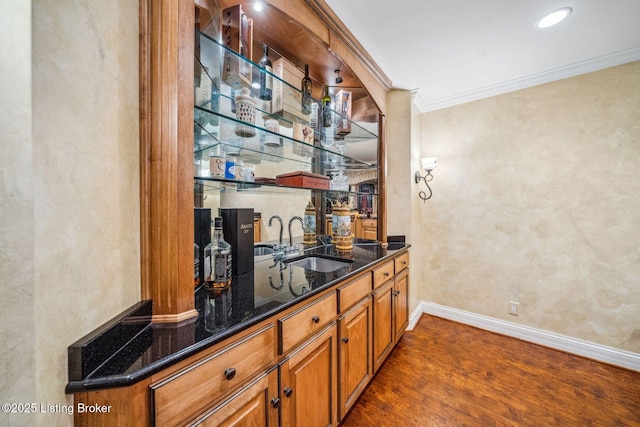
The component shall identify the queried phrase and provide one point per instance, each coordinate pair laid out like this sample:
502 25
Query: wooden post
166 157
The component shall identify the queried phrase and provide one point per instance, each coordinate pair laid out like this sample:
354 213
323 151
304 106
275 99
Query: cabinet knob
345 340
275 402
288 391
396 293
386 274
316 319
229 373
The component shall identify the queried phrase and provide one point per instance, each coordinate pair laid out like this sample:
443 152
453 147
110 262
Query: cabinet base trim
590 350
175 318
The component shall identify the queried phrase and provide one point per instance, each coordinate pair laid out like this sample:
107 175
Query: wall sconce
428 164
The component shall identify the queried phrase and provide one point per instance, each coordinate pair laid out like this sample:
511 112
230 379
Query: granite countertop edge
123 380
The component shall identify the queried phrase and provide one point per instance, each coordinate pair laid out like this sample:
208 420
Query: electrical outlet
514 308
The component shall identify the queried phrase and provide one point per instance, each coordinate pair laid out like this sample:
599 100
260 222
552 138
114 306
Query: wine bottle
217 259
306 91
326 108
266 80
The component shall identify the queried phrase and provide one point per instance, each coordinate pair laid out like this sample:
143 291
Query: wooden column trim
166 159
382 179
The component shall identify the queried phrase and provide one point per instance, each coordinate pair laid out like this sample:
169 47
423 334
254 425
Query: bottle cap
217 222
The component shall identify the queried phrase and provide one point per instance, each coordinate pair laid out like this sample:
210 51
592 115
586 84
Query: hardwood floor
447 374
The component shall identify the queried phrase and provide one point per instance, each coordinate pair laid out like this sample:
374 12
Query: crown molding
591 65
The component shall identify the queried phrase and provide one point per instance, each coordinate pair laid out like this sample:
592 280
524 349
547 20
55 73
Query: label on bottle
268 81
222 270
221 274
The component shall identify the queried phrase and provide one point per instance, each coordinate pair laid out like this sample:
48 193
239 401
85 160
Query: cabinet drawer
198 386
401 262
368 222
382 273
297 326
353 292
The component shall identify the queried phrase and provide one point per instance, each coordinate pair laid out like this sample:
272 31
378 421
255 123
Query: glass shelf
264 144
216 60
272 138
232 185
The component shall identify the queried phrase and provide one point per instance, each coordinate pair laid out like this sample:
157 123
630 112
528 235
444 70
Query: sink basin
321 265
259 250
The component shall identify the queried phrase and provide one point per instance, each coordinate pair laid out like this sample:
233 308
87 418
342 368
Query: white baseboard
613 356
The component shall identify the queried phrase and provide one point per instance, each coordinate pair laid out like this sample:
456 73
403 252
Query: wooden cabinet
367 228
308 379
257 230
305 366
382 302
256 405
354 354
400 304
198 386
382 273
354 291
390 306
297 326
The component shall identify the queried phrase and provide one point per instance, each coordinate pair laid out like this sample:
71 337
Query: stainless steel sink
259 250
321 265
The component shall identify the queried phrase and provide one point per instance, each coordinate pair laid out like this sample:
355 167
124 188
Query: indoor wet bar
290 294
320 213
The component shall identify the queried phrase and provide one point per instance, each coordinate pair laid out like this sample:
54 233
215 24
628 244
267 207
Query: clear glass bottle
217 259
306 87
266 80
326 108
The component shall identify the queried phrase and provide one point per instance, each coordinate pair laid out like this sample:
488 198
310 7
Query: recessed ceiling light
553 18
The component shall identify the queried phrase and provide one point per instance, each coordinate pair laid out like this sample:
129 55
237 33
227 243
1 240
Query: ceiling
455 51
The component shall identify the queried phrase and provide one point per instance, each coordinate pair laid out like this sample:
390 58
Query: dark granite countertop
130 348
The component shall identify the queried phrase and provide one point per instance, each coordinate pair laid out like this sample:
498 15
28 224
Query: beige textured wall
17 312
536 201
403 206
78 260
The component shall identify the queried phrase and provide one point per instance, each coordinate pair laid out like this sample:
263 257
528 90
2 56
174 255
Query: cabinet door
382 323
370 233
354 354
256 405
401 304
308 381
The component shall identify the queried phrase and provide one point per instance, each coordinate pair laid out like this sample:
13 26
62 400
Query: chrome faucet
291 245
281 226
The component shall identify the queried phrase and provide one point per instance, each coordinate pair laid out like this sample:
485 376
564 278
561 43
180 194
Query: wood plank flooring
447 374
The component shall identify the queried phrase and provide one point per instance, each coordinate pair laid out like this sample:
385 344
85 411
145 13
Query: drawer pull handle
316 319
345 340
275 402
288 391
229 373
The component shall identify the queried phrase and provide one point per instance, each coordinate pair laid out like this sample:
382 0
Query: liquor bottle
217 259
306 91
266 80
326 108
